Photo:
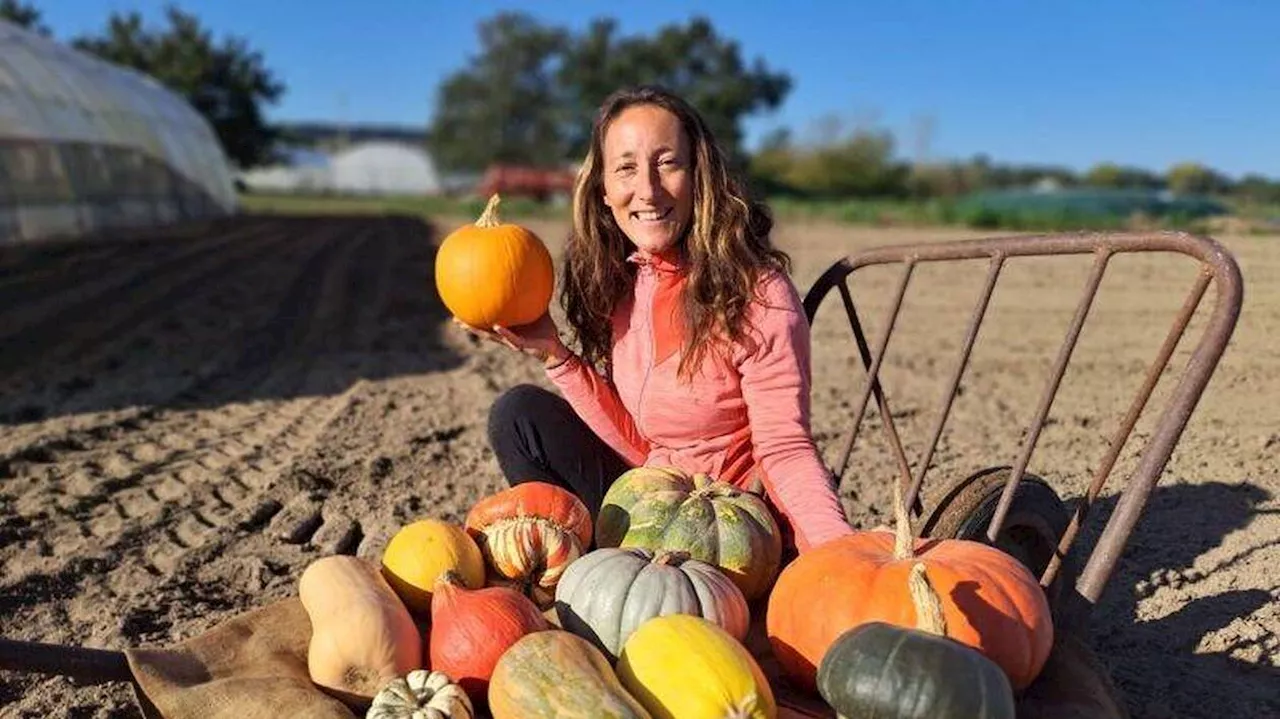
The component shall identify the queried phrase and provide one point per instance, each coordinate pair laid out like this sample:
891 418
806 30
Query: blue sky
1141 82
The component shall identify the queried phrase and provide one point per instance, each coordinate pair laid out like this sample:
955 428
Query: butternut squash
362 636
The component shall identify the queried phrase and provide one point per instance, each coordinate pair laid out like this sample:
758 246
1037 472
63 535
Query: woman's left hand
540 338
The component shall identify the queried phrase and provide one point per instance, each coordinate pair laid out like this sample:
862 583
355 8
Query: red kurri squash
529 534
471 628
989 600
490 273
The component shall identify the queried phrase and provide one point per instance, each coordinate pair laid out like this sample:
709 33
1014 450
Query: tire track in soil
278 502
154 456
110 460
118 312
43 321
68 370
66 265
184 504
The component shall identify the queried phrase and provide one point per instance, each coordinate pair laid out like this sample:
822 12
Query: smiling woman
647 182
692 345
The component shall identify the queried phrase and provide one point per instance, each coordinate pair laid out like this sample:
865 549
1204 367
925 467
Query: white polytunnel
87 146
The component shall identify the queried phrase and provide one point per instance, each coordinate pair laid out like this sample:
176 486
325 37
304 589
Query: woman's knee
521 402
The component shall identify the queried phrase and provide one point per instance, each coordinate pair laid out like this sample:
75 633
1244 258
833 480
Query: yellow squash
422 552
685 667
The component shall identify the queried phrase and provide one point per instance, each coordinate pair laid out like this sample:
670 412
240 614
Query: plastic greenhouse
86 146
384 168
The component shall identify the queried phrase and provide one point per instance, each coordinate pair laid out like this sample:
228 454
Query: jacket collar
670 261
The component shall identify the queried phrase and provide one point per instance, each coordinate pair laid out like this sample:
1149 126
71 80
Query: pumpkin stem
451 578
489 218
928 606
670 557
904 543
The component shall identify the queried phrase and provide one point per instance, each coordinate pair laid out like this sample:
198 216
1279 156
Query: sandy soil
188 421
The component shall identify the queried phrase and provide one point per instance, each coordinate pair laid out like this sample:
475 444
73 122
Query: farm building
87 146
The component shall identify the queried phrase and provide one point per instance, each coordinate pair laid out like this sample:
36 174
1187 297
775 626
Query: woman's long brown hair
725 247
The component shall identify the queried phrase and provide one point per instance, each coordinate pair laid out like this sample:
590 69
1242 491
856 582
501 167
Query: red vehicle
518 180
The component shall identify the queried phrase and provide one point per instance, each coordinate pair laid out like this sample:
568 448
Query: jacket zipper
650 291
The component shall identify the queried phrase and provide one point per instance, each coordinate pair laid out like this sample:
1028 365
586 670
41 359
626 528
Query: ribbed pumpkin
529 534
991 601
490 273
557 675
421 695
684 667
471 628
883 671
423 551
609 593
361 634
665 508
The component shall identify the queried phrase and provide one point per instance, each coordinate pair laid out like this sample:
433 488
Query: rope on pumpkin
928 606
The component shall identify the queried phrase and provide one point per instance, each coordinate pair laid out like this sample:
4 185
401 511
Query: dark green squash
890 672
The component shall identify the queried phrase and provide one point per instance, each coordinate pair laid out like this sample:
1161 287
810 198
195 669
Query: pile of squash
532 608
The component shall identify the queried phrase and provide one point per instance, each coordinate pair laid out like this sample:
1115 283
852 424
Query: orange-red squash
472 628
529 534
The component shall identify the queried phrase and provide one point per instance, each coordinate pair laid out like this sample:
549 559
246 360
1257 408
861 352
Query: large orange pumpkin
529 534
490 273
989 600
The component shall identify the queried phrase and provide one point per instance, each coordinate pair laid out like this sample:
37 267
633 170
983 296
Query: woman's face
648 177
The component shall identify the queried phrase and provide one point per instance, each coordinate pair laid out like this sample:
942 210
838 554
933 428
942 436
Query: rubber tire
1036 520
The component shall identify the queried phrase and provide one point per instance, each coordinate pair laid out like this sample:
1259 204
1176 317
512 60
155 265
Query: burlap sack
252 666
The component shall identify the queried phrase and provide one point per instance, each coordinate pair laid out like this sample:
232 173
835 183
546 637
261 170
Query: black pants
537 436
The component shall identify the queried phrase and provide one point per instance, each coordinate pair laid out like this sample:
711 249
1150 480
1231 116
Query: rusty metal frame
1217 268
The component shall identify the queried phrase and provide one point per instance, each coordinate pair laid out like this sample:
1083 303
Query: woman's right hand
540 338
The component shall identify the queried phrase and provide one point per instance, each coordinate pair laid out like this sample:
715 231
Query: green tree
1112 175
1258 188
692 60
1105 174
771 163
859 165
226 81
530 94
506 106
23 15
1194 178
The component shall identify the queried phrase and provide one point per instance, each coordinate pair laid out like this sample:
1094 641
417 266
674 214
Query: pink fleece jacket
742 419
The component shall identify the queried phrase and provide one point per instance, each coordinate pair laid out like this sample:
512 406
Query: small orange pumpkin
989 600
490 273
